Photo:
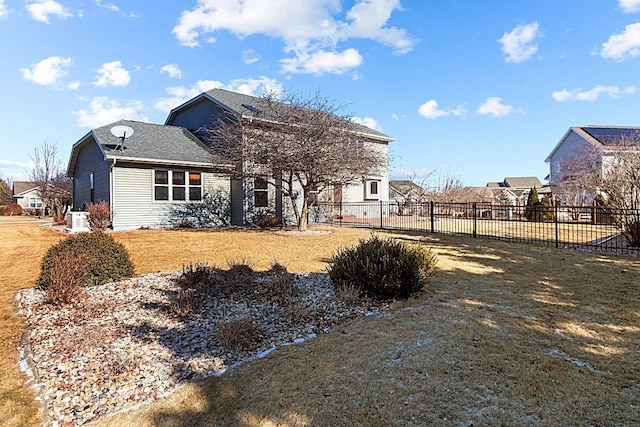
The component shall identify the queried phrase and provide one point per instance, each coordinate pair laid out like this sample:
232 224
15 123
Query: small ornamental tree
297 145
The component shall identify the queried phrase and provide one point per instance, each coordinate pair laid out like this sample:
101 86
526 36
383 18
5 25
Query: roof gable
253 107
22 187
150 143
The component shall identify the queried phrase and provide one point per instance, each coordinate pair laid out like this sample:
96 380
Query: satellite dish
122 131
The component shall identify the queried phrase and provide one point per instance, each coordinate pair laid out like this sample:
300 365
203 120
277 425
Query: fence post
432 217
555 219
380 214
475 217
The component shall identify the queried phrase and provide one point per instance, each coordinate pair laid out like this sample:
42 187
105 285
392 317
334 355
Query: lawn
507 334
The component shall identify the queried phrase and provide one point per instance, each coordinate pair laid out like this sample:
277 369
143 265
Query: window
260 193
372 190
177 186
35 202
161 189
195 186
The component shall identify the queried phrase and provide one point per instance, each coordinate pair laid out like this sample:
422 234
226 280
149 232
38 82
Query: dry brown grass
507 334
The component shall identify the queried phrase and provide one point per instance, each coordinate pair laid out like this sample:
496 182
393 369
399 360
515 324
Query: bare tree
443 187
298 145
619 181
580 175
613 174
50 180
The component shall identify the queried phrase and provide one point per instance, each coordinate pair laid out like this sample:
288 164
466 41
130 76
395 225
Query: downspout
111 184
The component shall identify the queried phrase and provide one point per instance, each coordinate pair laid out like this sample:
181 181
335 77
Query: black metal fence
581 227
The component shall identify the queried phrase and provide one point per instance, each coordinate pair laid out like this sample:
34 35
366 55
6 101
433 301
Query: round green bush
383 268
106 260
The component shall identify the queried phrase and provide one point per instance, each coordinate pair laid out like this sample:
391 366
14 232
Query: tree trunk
302 221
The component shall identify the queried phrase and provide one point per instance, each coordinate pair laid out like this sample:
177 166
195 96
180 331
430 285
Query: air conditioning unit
77 221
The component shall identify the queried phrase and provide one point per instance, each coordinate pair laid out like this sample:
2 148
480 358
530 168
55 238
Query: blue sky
477 89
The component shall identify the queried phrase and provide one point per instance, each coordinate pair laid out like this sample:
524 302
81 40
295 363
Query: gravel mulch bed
128 343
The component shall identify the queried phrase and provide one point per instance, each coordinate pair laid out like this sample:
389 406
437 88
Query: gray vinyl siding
90 160
133 205
203 113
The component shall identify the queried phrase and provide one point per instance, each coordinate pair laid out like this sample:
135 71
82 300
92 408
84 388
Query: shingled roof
248 106
150 143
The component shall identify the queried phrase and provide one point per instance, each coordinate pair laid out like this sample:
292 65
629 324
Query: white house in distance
596 145
27 195
151 168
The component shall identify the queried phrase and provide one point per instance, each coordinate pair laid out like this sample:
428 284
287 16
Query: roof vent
250 107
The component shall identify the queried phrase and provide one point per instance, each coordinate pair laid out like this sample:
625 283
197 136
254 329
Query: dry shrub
240 274
239 334
267 219
277 268
68 274
12 209
383 268
185 303
107 260
199 276
281 289
348 293
99 215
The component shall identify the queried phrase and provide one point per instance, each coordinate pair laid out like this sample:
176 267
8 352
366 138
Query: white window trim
187 186
368 195
37 202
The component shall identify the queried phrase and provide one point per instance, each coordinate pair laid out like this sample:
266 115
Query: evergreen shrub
104 259
383 268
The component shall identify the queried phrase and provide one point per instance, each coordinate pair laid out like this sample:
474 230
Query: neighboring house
583 149
159 166
406 191
27 195
514 191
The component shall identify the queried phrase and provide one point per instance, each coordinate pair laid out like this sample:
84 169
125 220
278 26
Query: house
515 190
156 167
583 150
27 195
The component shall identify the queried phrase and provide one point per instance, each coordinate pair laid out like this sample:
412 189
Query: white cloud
519 44
4 10
311 29
591 95
368 122
109 6
629 6
112 74
172 70
103 110
623 46
48 71
75 85
250 57
180 94
493 106
256 87
431 111
321 62
41 10
16 165
416 174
